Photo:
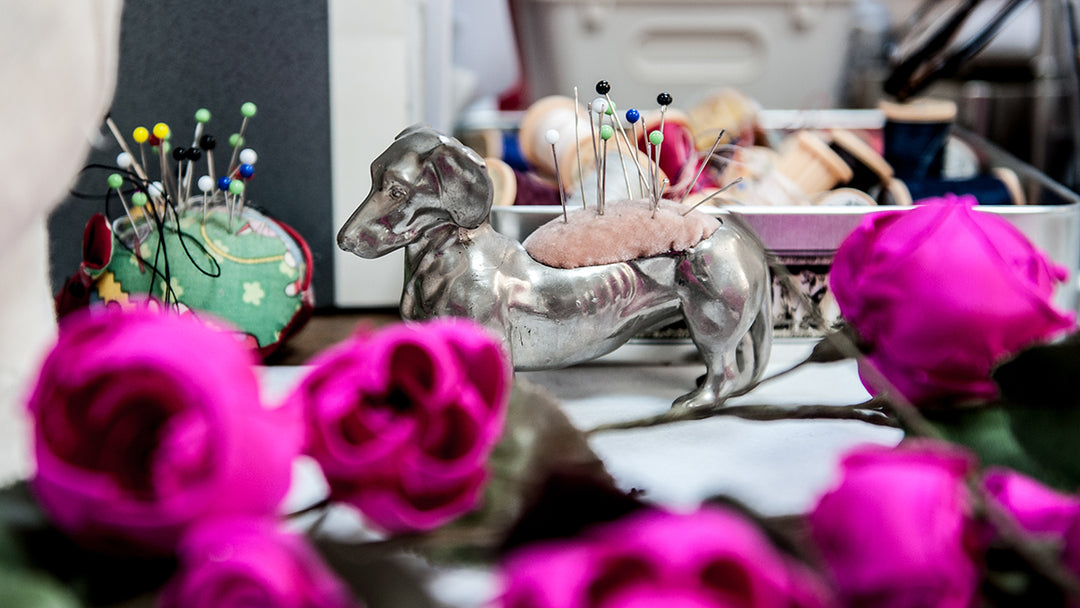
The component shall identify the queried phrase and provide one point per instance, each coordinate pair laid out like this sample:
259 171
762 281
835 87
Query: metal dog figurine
432 195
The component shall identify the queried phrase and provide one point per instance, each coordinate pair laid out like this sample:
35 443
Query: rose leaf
1043 375
988 432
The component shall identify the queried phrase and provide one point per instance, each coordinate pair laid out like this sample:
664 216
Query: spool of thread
729 109
1000 187
915 136
558 113
678 154
811 164
869 169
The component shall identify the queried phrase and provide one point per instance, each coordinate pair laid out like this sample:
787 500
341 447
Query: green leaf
1051 436
1042 376
38 546
988 431
25 589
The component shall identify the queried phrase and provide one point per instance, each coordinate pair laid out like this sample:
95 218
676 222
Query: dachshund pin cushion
432 195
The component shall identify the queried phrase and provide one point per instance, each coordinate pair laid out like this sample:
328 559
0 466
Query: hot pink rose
146 423
897 531
710 558
942 293
1038 509
251 562
402 421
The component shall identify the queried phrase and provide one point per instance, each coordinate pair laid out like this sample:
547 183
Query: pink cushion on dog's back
626 231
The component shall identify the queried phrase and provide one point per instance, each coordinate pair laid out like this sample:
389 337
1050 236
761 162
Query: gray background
176 57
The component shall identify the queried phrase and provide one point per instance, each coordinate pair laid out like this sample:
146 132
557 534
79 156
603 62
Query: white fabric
58 74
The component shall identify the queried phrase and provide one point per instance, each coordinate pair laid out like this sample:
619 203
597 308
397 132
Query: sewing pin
552 138
140 135
603 87
223 184
577 145
704 162
202 116
138 199
248 110
161 132
248 157
655 139
664 99
208 143
206 186
632 117
116 181
123 146
606 132
236 188
698 204
598 106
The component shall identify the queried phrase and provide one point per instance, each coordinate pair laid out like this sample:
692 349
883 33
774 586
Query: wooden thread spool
557 112
811 164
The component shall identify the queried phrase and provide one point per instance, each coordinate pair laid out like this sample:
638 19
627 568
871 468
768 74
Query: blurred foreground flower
251 562
898 530
146 423
710 558
942 293
402 421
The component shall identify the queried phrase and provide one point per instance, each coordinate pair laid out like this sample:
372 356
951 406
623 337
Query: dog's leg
726 306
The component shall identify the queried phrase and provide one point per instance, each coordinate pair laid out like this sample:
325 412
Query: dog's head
423 180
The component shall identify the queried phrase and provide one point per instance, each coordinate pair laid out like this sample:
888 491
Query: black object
933 59
179 153
664 99
207 142
603 87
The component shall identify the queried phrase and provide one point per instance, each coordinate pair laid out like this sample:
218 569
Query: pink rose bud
942 293
402 421
708 558
1038 509
251 562
898 529
146 423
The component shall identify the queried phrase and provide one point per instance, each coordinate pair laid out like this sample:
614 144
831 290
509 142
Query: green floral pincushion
255 275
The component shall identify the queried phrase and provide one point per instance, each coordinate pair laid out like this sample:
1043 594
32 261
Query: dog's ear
463 182
419 126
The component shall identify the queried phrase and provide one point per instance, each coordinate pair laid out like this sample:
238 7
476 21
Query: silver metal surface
432 195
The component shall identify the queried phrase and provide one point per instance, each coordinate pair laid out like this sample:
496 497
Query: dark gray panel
176 57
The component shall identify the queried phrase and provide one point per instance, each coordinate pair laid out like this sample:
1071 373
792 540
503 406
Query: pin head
123 160
248 109
632 115
599 105
140 135
154 141
246 171
115 181
551 136
138 199
193 154
154 189
235 140
202 115
248 156
205 183
664 99
179 153
223 183
656 138
207 142
606 132
161 130
236 186
611 109
603 87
